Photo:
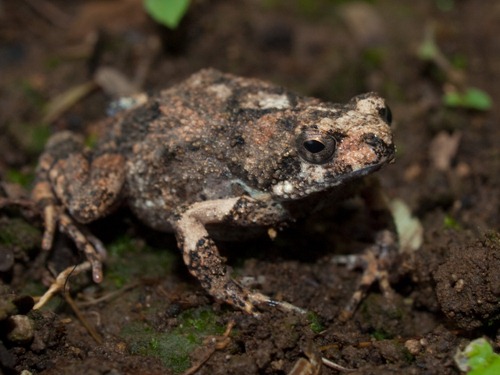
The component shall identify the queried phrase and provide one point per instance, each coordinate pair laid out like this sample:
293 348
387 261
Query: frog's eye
386 114
316 147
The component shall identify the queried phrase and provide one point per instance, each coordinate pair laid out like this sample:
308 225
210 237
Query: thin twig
108 296
21 202
60 281
49 12
335 366
90 329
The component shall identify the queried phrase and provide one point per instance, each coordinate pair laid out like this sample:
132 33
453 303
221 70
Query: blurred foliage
471 98
478 358
19 177
445 5
457 93
167 12
31 138
451 223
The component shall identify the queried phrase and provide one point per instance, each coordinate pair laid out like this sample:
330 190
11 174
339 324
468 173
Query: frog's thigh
88 189
201 254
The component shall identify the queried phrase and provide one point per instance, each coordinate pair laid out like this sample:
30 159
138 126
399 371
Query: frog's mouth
364 171
368 169
353 175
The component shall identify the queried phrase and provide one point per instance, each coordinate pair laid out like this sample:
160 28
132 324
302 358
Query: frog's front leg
202 256
377 260
73 187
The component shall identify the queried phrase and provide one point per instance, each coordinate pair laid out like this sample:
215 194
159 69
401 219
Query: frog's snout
384 151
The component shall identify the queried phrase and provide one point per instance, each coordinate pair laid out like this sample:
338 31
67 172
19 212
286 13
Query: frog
215 157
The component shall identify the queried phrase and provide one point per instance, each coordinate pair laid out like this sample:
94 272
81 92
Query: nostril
373 141
381 149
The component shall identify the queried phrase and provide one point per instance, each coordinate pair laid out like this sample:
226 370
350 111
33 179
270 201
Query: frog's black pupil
314 146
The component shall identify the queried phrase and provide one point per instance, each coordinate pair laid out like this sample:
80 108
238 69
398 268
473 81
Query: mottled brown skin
212 154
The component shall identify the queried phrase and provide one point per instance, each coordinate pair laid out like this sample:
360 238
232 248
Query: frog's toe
50 224
85 242
262 299
250 308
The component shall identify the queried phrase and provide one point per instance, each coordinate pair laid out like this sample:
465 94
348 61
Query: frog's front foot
375 262
55 217
262 299
92 247
249 301
209 268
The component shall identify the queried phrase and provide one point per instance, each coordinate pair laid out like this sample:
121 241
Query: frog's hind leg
202 256
73 188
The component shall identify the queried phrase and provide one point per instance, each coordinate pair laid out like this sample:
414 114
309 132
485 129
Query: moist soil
150 316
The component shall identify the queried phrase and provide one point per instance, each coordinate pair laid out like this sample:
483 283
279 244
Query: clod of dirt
11 304
15 327
468 283
18 241
6 258
21 329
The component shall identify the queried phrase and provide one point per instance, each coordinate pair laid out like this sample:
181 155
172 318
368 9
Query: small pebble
22 330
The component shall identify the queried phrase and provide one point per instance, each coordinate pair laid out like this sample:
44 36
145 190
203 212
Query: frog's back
207 102
213 136
218 136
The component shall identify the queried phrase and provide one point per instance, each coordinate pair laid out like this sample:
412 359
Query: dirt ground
149 316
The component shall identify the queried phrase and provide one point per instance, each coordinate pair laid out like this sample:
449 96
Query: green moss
380 335
200 320
445 5
451 223
382 319
407 356
373 58
31 137
91 141
493 237
32 95
53 62
121 246
130 258
17 232
34 288
459 61
174 347
17 177
315 322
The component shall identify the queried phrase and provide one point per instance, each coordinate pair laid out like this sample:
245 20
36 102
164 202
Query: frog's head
334 144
